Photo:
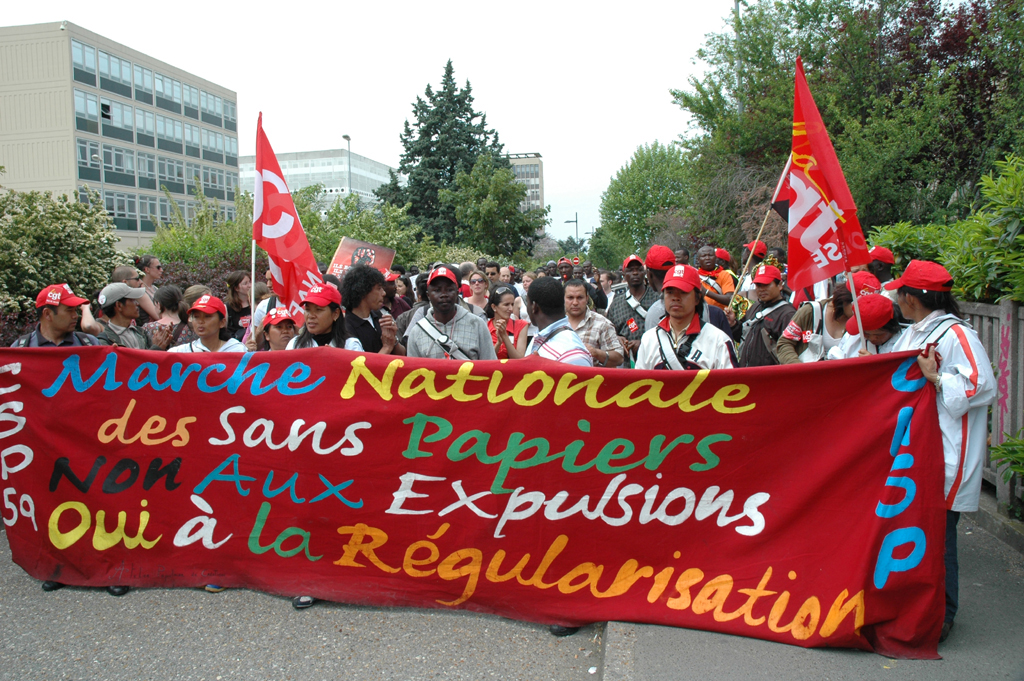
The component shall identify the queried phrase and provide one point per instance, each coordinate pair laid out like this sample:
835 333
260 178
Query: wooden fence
1001 329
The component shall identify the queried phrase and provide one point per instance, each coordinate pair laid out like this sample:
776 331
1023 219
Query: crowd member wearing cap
555 339
596 332
724 260
393 303
507 334
209 319
682 341
658 262
629 306
170 303
324 325
363 294
882 261
718 284
761 327
955 361
119 303
882 329
760 250
819 325
709 314
447 330
58 308
279 327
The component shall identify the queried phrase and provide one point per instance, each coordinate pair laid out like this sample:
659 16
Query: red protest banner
825 237
355 252
692 499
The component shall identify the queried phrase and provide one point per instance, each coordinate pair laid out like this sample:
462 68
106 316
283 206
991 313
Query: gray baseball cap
112 293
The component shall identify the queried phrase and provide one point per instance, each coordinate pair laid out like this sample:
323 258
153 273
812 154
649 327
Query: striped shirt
561 346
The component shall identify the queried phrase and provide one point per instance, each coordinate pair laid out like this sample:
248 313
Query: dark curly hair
357 284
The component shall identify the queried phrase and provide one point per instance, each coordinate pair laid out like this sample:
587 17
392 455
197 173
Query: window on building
116 69
190 96
167 87
211 104
86 106
116 114
86 150
148 209
118 160
230 113
143 79
120 205
145 122
231 146
170 170
192 135
193 173
146 165
169 129
83 56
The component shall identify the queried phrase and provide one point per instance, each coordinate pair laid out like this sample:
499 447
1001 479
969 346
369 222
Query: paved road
188 634
986 643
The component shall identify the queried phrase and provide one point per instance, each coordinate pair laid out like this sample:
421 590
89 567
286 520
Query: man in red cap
629 307
393 303
762 326
724 260
881 329
682 341
881 264
718 284
58 316
964 387
760 250
447 330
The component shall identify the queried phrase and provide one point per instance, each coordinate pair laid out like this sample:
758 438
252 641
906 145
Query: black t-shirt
238 321
367 333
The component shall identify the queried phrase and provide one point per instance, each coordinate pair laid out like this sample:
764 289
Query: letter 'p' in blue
887 564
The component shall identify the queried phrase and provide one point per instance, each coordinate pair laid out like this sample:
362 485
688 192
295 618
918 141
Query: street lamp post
577 223
349 141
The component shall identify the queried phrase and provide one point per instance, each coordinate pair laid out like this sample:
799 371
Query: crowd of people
658 312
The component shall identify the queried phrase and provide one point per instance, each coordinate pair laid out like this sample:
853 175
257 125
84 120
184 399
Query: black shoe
118 590
302 602
52 586
559 630
946 628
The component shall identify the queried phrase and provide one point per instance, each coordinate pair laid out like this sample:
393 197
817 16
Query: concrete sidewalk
986 643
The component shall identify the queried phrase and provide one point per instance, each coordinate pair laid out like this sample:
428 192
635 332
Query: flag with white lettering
825 237
277 230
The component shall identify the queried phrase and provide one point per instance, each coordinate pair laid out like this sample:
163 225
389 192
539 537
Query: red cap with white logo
444 273
322 295
209 304
59 294
682 277
767 274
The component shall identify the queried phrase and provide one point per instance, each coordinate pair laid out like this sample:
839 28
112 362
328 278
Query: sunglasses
477 281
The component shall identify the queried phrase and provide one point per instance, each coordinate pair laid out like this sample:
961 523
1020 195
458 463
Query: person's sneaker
559 630
214 589
946 628
52 586
118 590
302 602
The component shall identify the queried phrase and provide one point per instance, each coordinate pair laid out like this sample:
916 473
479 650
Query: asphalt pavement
188 634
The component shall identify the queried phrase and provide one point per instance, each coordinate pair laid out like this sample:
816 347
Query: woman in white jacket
954 360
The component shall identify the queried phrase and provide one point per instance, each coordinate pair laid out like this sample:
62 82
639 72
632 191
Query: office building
529 171
329 168
78 110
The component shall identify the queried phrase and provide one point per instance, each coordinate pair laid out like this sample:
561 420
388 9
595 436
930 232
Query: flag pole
252 285
750 258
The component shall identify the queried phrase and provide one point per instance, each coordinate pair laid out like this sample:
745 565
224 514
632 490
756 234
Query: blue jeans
952 566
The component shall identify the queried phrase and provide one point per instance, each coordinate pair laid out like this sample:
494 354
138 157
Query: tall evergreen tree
447 136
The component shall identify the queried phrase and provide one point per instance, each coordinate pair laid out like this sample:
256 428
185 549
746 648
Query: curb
618 663
988 518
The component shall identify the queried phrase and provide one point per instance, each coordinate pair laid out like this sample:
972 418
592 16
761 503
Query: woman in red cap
882 329
819 325
209 320
954 360
324 323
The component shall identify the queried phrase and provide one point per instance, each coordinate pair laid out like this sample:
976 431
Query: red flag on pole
277 230
825 237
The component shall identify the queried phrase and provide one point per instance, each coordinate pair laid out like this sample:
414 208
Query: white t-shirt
230 345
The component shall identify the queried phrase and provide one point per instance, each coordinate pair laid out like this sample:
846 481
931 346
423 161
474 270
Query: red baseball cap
634 258
280 314
446 274
682 277
722 254
758 248
565 260
865 283
766 274
59 294
391 276
925 275
875 312
323 295
209 304
882 254
660 258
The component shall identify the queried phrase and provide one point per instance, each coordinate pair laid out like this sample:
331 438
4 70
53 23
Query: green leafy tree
446 136
652 181
608 248
382 224
486 202
571 244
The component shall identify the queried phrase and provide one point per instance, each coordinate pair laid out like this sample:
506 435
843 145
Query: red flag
825 237
277 230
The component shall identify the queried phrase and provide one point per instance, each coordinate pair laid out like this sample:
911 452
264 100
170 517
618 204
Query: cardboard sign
354 252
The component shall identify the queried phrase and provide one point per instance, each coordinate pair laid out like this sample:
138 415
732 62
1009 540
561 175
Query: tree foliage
486 202
652 181
921 99
446 136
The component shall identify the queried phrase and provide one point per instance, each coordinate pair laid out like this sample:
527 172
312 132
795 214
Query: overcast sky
582 84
